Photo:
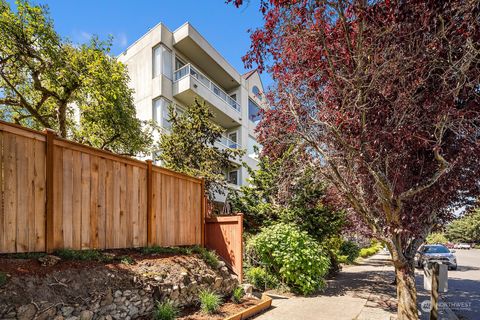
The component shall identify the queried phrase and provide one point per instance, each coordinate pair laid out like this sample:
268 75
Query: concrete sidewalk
360 292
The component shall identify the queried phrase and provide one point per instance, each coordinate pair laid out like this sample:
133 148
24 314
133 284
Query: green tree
79 91
301 201
436 237
258 200
466 228
190 147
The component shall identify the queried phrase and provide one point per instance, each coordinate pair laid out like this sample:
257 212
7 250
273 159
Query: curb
265 303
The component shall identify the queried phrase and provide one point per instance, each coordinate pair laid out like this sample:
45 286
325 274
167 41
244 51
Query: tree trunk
406 292
62 119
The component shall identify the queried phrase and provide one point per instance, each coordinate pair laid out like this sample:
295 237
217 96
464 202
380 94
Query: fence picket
60 194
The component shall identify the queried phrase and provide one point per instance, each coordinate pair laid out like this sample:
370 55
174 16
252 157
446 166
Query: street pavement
363 292
463 296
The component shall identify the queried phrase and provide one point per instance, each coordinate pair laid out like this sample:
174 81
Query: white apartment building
176 67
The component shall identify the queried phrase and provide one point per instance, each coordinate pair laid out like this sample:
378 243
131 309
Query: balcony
190 83
224 143
199 51
228 143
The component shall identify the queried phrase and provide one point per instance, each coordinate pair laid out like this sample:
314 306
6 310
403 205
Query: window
253 148
256 92
233 177
253 112
162 62
232 137
179 63
160 112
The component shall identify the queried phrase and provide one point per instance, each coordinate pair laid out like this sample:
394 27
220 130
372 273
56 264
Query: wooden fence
224 234
60 194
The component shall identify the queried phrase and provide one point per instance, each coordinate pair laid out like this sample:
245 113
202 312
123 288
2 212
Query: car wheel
453 268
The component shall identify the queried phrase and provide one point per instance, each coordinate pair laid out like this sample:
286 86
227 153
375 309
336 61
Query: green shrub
165 311
237 294
348 252
343 259
260 278
68 254
3 278
370 251
291 255
209 301
127 260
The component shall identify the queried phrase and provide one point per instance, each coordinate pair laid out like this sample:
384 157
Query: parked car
450 245
462 246
435 252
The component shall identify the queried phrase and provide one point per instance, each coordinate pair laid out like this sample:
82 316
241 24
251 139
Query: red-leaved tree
385 96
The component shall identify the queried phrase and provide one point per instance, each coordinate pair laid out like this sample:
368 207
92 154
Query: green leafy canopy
80 91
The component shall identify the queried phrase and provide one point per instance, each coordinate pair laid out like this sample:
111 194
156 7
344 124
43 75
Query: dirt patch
31 266
227 309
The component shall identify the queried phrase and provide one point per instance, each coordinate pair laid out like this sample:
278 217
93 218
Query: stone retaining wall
130 301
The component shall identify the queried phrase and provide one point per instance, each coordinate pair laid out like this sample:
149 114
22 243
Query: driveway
363 292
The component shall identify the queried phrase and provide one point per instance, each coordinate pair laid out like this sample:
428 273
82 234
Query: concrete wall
138 58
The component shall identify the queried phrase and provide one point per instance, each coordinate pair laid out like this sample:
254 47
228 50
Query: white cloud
79 37
85 36
121 39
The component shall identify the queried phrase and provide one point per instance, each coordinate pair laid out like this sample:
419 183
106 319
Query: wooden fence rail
60 194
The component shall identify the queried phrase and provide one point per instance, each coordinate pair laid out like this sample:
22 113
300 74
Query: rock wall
112 292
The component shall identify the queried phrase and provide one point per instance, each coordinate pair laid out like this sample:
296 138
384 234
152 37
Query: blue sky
224 26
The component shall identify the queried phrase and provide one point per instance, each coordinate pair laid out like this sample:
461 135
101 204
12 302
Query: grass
165 311
208 256
83 255
209 301
28 255
3 278
237 295
166 250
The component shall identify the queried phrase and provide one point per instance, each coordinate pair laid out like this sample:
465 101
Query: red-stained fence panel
224 234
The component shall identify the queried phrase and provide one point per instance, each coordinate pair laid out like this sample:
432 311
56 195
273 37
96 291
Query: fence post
149 203
49 177
240 220
202 214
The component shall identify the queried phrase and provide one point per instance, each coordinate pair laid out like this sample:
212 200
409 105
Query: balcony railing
188 69
226 142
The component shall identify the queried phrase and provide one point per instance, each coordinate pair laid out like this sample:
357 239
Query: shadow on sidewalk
370 279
